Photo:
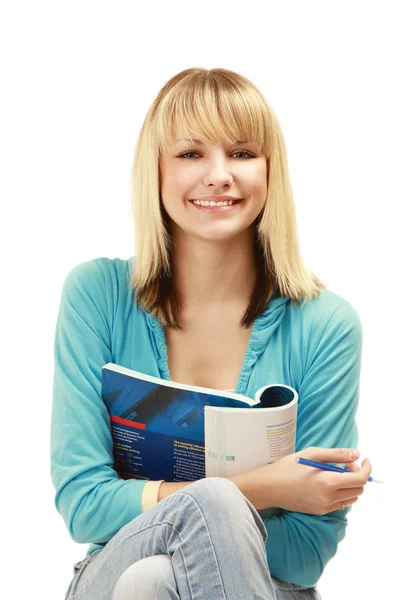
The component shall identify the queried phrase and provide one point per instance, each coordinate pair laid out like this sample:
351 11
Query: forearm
246 482
169 487
261 497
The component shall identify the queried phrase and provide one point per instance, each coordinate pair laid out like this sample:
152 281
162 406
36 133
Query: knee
220 498
215 486
217 493
146 579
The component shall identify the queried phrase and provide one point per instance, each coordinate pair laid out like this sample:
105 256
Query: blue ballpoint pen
325 467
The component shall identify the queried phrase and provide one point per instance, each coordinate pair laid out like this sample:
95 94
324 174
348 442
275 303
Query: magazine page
239 440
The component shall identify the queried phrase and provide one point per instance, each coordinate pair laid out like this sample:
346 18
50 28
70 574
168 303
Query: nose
218 172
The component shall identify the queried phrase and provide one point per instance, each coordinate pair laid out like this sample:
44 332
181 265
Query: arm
169 487
92 500
300 545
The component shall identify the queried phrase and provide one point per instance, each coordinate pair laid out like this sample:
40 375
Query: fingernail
354 453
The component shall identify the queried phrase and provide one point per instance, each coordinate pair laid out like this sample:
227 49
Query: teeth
212 203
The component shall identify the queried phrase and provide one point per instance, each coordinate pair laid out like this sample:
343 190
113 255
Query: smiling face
191 170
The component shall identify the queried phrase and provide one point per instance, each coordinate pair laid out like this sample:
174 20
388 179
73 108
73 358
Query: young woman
215 296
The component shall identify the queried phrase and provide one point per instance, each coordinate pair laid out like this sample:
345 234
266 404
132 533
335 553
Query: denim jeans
204 542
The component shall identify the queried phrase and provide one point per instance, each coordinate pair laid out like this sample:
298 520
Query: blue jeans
204 542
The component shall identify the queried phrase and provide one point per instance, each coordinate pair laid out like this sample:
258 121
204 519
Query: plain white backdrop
78 79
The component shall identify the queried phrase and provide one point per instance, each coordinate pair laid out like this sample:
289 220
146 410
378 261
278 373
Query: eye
248 154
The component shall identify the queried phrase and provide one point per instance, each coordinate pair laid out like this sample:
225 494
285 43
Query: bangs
216 109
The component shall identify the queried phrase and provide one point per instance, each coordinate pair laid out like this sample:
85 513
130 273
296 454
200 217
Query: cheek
260 182
176 180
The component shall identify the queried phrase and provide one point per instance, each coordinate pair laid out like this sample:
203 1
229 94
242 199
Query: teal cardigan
316 349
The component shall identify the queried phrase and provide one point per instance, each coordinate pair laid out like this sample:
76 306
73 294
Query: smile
213 207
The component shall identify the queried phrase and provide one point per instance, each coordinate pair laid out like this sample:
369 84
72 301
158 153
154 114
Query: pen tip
377 480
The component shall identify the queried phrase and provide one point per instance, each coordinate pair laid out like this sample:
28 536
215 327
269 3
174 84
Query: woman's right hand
296 487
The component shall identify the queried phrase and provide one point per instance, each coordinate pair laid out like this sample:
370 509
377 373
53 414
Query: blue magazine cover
158 426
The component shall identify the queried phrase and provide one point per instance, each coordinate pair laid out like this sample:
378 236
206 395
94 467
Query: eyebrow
202 144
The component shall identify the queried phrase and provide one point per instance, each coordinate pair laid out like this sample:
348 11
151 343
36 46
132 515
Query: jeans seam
117 546
177 532
209 536
78 594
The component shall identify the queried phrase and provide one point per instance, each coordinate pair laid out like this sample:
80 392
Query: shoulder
106 273
328 317
332 307
94 290
98 287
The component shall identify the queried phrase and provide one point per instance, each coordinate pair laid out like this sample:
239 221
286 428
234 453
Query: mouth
223 208
226 202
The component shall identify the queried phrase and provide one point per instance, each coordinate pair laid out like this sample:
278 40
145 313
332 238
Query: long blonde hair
219 105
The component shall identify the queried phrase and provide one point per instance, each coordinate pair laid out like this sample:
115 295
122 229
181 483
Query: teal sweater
316 349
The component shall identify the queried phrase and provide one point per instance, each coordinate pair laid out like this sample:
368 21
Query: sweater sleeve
92 500
300 545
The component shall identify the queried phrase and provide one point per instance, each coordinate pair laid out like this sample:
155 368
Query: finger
351 467
339 505
347 494
334 455
355 478
366 468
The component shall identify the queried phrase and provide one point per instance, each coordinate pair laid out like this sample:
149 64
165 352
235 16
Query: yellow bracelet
150 494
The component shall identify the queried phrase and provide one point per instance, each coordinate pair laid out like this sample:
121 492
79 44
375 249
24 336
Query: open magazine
162 429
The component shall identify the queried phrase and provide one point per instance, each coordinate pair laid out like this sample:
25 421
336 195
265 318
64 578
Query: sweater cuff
150 494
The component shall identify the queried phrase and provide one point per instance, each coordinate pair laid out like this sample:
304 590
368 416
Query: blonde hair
219 105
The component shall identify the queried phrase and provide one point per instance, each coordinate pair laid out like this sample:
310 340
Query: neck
211 273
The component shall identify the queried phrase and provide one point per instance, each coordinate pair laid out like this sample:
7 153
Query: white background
78 79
